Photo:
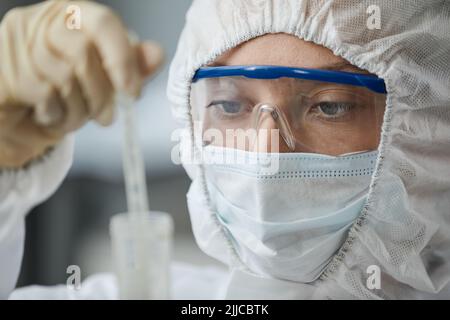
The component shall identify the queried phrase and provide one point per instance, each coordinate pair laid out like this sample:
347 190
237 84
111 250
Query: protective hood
404 230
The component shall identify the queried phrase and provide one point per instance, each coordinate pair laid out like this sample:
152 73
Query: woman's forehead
284 50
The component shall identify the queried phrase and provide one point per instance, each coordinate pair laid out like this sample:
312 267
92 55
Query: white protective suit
20 190
405 227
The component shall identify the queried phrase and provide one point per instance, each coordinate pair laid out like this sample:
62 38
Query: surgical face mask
285 224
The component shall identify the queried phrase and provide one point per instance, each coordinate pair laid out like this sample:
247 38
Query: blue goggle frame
371 82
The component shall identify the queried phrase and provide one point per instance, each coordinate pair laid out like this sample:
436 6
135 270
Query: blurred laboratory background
72 227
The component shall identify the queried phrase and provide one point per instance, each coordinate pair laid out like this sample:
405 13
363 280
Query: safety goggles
312 110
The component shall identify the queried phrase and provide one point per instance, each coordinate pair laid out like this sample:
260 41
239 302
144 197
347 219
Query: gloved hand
54 77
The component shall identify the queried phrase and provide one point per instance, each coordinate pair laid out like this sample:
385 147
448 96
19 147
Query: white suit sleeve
187 282
21 190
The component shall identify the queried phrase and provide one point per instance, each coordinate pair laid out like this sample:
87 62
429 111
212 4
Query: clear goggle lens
287 115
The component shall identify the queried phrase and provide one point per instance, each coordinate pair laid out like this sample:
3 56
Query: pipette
133 163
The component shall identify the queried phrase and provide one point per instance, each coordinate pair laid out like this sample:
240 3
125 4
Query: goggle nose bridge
280 120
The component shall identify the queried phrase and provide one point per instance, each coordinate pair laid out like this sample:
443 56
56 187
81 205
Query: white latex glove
55 77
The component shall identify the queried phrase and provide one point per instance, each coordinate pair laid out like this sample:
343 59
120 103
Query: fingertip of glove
106 117
150 56
49 112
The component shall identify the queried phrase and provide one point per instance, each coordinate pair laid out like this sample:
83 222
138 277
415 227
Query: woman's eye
227 107
332 109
